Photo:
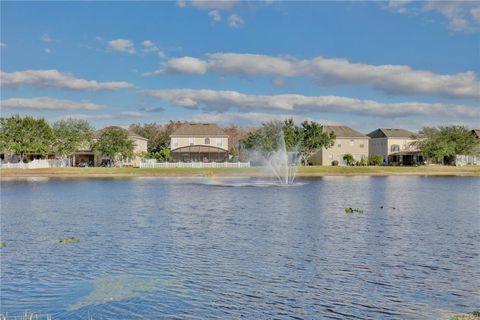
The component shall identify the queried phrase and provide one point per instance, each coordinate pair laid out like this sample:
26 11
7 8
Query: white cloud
215 15
181 3
46 38
461 15
391 79
251 118
212 4
56 79
47 50
475 13
104 116
235 21
3 45
399 5
186 65
227 100
150 47
122 45
45 103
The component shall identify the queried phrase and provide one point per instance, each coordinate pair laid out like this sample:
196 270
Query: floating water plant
68 240
353 210
3 244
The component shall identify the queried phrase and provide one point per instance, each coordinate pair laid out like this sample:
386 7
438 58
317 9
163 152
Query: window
362 145
352 142
339 145
175 142
190 141
218 142
207 140
394 148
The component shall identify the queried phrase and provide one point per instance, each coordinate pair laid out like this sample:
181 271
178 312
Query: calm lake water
177 248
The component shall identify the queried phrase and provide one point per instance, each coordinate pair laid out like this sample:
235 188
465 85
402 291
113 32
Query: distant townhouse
199 142
395 146
85 156
347 141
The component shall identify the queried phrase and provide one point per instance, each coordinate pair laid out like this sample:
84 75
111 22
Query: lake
154 248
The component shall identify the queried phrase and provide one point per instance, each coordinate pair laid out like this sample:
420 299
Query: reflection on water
116 288
176 248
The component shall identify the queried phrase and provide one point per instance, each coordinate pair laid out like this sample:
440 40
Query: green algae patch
350 210
69 240
3 244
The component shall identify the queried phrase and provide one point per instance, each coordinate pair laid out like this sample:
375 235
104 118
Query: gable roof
343 132
390 133
198 129
476 132
130 133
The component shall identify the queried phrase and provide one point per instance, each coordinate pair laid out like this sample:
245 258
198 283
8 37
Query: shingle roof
198 129
390 133
131 134
343 132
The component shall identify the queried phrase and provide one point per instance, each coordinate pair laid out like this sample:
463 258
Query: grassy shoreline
305 172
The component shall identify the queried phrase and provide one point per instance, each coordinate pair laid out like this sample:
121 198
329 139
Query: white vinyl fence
152 164
36 164
462 160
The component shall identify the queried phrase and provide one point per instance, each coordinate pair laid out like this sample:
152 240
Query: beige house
199 142
395 146
86 157
347 141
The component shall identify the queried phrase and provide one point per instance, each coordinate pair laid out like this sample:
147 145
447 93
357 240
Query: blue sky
364 64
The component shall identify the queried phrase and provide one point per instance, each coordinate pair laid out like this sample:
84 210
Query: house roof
198 129
390 133
476 132
130 133
343 132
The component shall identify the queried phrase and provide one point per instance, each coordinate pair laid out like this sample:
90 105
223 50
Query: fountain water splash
282 164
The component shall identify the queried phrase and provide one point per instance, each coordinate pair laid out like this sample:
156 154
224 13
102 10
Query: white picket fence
462 160
151 164
36 164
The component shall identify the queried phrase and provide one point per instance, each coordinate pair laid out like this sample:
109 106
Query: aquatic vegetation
117 288
3 244
26 316
350 210
69 240
472 316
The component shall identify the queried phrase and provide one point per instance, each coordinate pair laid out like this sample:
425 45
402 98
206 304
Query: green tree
307 139
349 159
71 135
445 142
158 136
162 156
314 139
265 140
375 159
23 135
292 134
114 143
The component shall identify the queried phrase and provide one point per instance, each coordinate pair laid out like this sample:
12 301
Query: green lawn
312 171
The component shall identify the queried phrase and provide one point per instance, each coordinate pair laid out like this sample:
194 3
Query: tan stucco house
86 156
395 146
199 142
347 141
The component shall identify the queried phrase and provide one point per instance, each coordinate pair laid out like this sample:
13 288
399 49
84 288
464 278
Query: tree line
25 134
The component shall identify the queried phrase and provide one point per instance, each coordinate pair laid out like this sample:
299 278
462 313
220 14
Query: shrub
375 159
334 163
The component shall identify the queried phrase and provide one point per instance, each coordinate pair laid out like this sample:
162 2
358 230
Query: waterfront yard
311 171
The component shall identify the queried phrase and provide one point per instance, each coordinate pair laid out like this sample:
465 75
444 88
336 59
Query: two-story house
199 142
395 146
85 156
347 141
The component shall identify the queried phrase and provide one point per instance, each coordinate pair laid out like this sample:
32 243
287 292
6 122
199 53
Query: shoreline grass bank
303 172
